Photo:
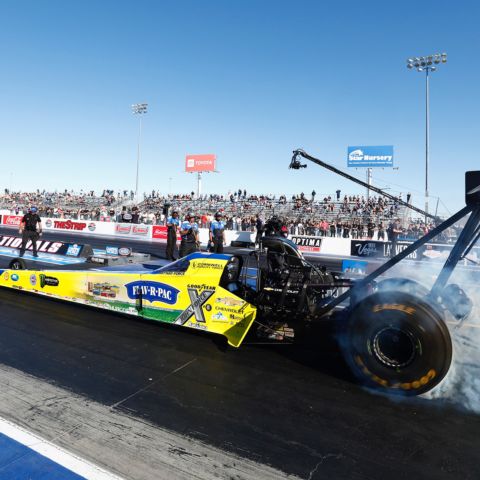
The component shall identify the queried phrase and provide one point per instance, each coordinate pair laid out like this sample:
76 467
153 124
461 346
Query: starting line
24 455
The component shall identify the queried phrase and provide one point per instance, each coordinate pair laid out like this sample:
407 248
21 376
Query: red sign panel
200 163
159 232
12 220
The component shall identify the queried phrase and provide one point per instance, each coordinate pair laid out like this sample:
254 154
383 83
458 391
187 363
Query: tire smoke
461 386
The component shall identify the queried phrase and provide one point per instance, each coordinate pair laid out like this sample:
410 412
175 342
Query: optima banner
368 157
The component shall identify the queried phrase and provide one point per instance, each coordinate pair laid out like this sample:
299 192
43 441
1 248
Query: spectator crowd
347 216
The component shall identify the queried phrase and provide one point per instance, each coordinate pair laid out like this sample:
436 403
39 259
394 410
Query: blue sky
247 80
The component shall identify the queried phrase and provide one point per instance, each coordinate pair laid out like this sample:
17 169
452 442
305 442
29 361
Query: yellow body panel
191 299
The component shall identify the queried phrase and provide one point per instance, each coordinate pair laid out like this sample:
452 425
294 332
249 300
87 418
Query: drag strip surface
295 410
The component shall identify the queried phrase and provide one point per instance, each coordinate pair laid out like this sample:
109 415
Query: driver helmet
33 209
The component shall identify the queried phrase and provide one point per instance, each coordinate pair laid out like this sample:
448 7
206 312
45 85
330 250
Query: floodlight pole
138 157
427 134
369 181
199 184
139 109
426 64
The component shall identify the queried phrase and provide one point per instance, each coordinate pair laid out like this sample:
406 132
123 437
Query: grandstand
322 215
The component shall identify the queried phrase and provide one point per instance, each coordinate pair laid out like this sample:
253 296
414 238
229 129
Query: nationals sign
200 163
45 246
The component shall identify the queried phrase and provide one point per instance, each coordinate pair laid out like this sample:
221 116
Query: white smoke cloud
461 386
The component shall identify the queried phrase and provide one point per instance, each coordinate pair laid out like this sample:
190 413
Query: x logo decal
195 307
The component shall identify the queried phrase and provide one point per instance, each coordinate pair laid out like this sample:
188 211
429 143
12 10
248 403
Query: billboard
367 157
200 163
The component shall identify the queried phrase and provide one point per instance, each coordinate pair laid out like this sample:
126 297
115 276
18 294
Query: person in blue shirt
196 229
188 243
217 233
173 224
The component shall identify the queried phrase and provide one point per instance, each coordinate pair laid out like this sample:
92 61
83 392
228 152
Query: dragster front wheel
17 264
397 343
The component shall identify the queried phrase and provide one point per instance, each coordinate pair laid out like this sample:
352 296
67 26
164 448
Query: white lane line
181 367
58 455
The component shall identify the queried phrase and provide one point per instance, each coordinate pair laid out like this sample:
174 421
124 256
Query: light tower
139 109
427 65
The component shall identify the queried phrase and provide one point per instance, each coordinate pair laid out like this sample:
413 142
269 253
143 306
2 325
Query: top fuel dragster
392 332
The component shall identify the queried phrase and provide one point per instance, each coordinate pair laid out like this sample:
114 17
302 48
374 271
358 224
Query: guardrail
311 245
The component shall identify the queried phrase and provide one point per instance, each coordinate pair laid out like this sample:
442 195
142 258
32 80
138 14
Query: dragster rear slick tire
397 343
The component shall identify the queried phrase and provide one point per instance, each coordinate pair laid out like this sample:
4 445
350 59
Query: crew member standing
259 227
189 239
394 231
217 233
172 227
30 229
196 230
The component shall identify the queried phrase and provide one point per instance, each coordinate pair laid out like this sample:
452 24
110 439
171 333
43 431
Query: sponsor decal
69 225
394 306
48 223
59 248
195 309
14 277
367 249
199 326
50 281
202 286
358 267
380 156
33 280
377 249
160 232
231 309
74 250
229 301
111 250
124 251
104 290
123 229
12 220
92 226
99 260
207 265
140 230
6 276
219 316
200 163
307 243
152 292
